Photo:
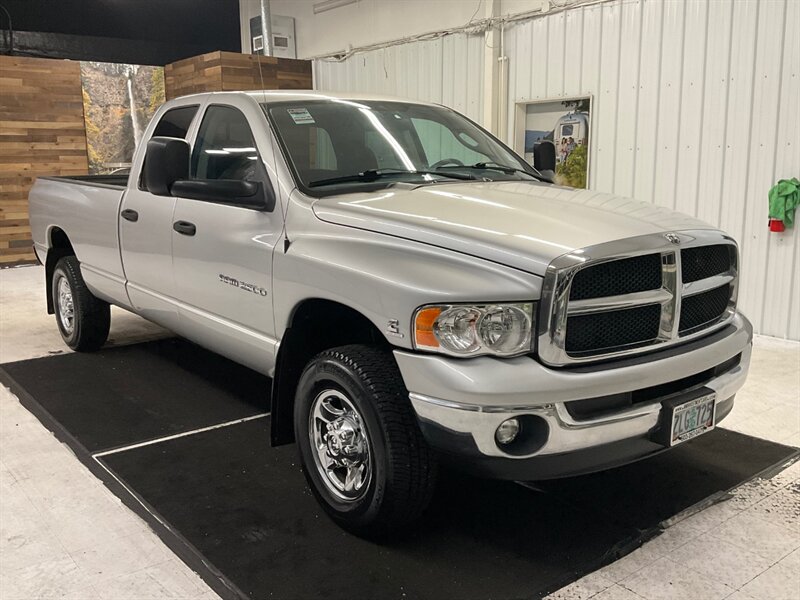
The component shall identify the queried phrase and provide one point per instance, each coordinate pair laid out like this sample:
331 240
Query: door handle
130 215
184 227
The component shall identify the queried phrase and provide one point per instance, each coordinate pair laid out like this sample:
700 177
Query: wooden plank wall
218 71
41 133
42 130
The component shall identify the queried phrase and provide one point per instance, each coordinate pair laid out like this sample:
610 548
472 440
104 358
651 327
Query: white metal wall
447 70
695 107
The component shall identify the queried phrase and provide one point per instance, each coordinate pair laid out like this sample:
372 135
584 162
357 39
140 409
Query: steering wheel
447 161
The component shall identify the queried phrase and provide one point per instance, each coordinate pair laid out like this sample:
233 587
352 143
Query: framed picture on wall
118 102
566 124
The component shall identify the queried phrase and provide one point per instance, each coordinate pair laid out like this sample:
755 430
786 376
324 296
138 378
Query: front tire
83 319
362 451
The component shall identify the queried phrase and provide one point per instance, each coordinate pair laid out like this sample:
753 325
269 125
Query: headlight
474 330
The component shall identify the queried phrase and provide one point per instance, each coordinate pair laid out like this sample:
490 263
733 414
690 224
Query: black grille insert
615 277
595 333
705 261
704 308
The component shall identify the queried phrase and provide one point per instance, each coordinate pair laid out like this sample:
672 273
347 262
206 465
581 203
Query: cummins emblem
673 238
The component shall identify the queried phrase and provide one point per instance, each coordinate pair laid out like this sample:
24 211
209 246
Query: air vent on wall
283 44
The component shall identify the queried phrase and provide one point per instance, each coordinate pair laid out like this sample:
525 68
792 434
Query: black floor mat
246 509
245 506
128 394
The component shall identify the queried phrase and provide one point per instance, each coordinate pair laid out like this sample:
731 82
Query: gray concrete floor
64 535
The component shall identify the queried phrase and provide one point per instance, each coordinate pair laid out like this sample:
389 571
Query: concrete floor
64 535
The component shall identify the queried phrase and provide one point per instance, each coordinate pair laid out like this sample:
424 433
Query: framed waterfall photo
118 102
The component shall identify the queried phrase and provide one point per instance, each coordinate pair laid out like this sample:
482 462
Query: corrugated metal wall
447 70
695 107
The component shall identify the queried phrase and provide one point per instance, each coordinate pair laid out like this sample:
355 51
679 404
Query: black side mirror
237 192
544 158
165 161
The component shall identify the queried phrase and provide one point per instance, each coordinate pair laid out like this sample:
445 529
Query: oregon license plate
692 418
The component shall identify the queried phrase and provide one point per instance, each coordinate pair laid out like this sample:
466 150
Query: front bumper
460 404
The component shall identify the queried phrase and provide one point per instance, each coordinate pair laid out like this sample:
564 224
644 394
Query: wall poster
565 124
118 102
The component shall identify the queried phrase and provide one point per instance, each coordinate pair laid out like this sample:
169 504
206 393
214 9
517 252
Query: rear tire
362 451
83 319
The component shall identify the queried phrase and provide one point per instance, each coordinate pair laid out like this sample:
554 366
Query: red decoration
776 225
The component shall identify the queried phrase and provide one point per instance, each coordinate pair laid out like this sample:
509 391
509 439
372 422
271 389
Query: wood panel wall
42 130
41 133
224 71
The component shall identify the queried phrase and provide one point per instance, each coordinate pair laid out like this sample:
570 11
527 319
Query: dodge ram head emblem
673 238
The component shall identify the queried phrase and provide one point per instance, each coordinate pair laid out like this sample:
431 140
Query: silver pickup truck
418 293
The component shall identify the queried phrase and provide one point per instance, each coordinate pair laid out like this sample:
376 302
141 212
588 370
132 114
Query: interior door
222 254
146 234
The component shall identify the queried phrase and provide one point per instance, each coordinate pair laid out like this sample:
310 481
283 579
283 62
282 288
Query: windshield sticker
300 116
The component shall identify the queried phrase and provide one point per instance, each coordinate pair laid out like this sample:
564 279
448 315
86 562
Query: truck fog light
507 431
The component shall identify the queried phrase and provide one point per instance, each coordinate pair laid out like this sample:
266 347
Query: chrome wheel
340 445
66 308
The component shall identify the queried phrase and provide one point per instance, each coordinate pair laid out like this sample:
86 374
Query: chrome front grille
636 295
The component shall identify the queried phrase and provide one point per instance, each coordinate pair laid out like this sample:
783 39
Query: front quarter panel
382 277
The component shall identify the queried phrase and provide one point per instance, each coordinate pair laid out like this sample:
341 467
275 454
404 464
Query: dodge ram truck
418 294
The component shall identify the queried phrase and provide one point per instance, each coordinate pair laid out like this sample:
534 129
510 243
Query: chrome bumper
470 398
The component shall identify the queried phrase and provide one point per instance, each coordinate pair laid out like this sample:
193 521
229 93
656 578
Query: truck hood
520 224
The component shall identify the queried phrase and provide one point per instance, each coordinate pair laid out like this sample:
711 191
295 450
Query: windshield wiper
374 174
493 166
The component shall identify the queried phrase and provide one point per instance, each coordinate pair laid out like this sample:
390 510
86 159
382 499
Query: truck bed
115 181
83 209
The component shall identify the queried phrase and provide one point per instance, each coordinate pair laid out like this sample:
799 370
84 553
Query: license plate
692 418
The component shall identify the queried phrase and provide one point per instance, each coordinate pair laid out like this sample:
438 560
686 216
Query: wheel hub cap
66 309
346 443
341 446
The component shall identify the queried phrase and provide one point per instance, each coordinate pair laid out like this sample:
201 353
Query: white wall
695 107
447 70
372 21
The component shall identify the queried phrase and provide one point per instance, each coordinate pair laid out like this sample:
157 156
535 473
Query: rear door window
173 123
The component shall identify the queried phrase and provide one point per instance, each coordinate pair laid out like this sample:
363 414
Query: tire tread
412 465
94 321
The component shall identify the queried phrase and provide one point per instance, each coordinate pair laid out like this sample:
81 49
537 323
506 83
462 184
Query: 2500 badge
242 285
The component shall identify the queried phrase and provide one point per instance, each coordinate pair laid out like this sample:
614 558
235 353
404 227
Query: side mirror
237 192
544 158
165 161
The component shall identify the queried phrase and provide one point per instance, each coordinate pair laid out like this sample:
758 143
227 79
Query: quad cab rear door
145 225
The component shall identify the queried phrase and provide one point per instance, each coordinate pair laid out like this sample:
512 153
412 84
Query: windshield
337 146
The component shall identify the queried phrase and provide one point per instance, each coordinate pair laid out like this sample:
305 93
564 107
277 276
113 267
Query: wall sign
565 123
